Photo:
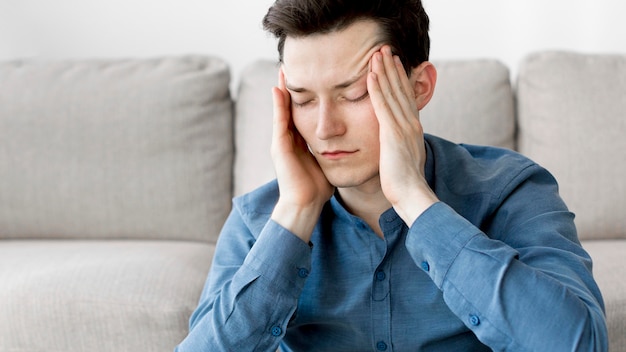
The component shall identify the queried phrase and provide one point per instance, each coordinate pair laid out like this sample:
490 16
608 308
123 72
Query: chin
352 179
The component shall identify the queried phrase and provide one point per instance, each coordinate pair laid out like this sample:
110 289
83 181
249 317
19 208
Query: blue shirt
495 265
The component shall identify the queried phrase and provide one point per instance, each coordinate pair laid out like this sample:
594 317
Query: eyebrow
341 85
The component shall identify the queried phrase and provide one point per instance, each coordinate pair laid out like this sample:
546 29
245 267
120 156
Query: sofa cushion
115 148
98 295
609 271
473 103
253 126
572 121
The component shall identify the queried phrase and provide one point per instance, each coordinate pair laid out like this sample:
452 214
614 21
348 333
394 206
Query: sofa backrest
572 120
134 149
473 103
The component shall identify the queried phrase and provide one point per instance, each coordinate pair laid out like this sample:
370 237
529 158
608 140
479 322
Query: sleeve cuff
280 257
436 238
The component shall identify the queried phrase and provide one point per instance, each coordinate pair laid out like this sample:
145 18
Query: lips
337 154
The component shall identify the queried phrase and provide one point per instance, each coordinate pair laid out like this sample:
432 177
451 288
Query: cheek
368 119
369 127
304 122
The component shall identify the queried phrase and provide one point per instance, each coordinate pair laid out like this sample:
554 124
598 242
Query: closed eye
361 98
300 105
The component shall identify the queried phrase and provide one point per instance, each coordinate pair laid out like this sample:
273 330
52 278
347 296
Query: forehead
322 60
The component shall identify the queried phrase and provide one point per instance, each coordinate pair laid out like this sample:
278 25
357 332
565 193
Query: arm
530 290
252 289
254 284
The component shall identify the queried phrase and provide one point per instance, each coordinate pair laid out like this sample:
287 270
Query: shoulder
260 201
476 180
467 168
255 208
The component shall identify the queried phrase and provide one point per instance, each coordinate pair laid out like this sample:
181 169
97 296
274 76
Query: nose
329 122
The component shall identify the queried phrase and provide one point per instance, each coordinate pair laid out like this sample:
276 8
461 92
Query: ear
424 79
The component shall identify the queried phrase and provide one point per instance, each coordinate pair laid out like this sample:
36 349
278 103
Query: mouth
337 154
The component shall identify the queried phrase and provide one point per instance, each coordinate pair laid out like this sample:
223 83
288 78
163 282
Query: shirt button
380 275
303 273
425 266
381 346
474 320
276 331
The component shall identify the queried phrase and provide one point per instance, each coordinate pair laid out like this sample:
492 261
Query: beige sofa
116 176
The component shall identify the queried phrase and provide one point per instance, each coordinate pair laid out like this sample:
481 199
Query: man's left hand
395 99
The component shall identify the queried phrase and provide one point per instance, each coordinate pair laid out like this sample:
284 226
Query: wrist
414 204
300 220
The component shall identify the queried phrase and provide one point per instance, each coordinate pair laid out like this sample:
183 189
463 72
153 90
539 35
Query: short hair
404 23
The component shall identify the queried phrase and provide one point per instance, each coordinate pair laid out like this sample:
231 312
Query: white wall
503 29
511 29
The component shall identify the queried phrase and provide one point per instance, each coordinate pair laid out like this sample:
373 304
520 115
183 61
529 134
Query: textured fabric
115 149
473 103
610 272
253 123
497 261
572 120
97 296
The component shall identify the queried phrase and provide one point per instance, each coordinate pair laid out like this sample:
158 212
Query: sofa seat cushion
609 271
98 295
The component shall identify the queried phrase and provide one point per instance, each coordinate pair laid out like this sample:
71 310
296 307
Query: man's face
326 75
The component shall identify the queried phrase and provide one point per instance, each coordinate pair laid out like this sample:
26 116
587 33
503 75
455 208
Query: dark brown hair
404 23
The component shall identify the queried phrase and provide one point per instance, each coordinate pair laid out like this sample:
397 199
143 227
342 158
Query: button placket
381 275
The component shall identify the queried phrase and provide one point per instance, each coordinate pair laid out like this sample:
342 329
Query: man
376 237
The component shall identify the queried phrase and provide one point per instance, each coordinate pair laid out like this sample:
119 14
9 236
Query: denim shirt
495 265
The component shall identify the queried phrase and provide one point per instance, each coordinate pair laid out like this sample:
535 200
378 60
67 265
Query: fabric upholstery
609 272
479 111
571 111
77 296
473 103
115 148
95 151
253 126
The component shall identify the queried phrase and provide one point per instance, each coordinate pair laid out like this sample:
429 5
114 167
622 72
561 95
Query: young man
376 237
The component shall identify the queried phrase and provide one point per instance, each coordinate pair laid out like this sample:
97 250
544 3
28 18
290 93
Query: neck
366 203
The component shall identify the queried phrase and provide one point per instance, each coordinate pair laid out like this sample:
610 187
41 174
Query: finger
281 117
404 78
382 110
285 135
388 96
399 83
391 71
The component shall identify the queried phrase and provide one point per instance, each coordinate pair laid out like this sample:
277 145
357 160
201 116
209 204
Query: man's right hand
302 184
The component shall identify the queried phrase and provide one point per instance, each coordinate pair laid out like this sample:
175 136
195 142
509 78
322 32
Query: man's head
403 23
327 51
